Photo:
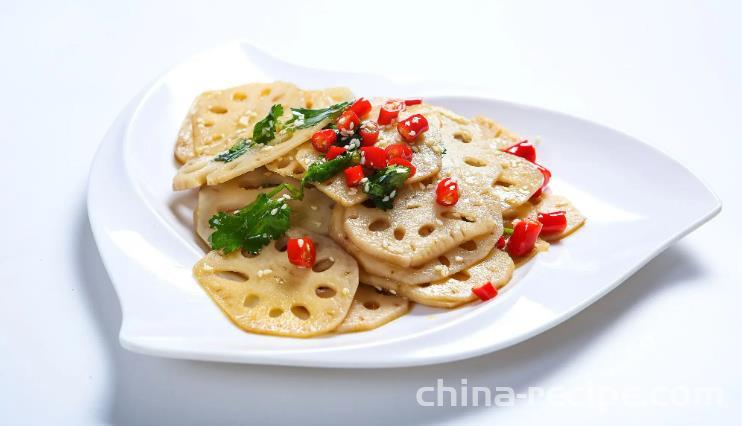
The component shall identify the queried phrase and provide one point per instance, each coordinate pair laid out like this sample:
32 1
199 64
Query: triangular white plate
637 200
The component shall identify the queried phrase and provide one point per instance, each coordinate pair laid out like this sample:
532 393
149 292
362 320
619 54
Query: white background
666 72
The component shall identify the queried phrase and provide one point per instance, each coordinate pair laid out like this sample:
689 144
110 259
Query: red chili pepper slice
324 139
373 157
412 127
447 192
348 122
547 177
353 175
389 111
399 161
400 150
369 133
361 107
554 222
485 291
301 252
525 234
334 151
501 243
523 149
413 101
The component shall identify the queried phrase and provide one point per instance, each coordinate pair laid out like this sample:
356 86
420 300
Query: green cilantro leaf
321 170
304 118
381 188
254 226
237 149
265 129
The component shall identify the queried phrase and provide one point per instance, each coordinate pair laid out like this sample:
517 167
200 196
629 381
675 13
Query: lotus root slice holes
323 264
275 312
426 230
239 96
457 216
504 183
399 234
281 244
444 261
234 276
246 254
251 300
301 312
470 245
207 123
218 109
462 136
475 162
325 292
371 305
283 162
461 276
379 225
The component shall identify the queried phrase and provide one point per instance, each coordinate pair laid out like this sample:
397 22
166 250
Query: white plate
637 200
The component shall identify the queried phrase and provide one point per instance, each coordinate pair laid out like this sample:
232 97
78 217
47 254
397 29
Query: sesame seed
300 242
412 133
264 272
274 211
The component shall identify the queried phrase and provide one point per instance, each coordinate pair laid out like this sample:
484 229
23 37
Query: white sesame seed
415 119
412 133
300 243
274 211
313 207
264 272
458 259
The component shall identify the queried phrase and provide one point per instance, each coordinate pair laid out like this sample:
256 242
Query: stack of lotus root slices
369 263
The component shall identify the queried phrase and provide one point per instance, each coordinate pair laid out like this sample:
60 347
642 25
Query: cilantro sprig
304 118
381 188
254 226
240 147
321 170
265 129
